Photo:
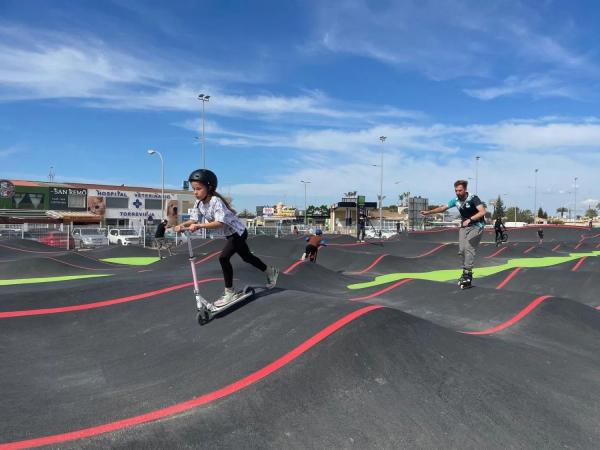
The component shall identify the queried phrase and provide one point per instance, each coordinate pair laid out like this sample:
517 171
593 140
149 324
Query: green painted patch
453 274
48 279
133 260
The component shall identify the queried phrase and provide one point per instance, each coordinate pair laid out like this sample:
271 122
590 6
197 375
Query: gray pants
468 241
161 244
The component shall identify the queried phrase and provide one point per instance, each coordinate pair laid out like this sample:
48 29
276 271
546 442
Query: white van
124 236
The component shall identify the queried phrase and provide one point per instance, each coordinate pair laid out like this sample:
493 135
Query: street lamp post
535 195
305 183
203 98
477 174
382 139
162 178
575 200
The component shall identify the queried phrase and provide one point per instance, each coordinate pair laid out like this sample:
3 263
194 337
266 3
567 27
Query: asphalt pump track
373 346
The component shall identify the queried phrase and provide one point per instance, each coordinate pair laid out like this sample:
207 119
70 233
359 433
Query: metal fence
61 235
54 235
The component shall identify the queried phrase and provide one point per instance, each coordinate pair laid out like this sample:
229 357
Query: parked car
9 233
124 237
89 237
58 239
372 233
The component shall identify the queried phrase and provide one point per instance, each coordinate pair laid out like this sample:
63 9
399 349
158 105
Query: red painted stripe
373 264
212 255
578 245
383 291
579 263
529 249
598 246
200 400
430 252
30 251
101 304
293 266
497 252
556 248
355 244
440 230
509 323
508 278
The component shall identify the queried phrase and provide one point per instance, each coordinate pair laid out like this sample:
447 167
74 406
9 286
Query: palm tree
562 210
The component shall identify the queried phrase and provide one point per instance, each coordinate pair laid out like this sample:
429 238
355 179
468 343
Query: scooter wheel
202 317
249 290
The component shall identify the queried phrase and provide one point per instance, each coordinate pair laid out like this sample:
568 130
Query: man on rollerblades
472 213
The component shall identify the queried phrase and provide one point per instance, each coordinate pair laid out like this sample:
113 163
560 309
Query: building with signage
107 205
345 213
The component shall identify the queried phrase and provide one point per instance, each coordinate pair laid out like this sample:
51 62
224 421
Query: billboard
63 199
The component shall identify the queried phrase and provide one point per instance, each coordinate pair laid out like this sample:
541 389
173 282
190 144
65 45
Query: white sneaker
272 274
226 298
303 257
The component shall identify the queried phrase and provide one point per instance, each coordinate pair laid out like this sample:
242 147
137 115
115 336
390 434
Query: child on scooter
219 215
314 242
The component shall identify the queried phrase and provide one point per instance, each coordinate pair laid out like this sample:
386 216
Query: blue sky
302 91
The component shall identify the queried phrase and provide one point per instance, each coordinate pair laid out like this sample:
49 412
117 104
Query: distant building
80 203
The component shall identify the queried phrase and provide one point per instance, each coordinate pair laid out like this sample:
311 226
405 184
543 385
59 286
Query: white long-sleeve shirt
215 210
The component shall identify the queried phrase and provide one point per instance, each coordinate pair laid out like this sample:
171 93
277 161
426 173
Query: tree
542 214
591 213
561 211
499 211
245 214
521 216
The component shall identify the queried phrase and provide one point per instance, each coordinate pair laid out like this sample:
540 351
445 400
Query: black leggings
237 244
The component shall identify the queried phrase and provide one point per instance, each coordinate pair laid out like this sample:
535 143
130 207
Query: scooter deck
207 314
239 296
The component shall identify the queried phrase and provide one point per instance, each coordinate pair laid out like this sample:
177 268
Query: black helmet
204 176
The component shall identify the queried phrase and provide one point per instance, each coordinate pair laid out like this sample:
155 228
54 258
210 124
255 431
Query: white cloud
426 160
532 85
546 137
5 153
457 38
37 64
500 173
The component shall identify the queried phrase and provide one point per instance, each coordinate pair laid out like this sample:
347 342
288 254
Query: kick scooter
207 310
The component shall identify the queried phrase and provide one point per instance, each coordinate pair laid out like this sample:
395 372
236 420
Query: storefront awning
74 217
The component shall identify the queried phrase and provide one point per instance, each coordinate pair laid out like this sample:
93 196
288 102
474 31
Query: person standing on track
159 238
472 212
219 215
540 234
360 227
